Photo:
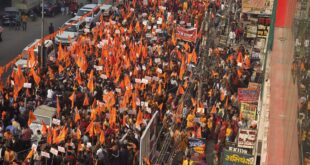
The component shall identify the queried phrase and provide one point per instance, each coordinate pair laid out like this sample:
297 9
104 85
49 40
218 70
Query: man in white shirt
232 37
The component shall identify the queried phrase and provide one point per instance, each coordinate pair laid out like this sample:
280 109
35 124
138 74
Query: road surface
15 41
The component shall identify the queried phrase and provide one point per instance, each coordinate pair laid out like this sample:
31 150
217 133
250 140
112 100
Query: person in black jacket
51 28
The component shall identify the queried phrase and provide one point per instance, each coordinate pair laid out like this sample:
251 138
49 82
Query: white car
72 28
23 62
106 10
93 17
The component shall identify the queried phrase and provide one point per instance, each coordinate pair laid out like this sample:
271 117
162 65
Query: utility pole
42 37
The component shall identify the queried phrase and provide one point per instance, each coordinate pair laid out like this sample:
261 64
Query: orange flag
31 117
159 92
90 84
239 73
130 29
78 77
86 102
213 110
90 129
77 116
58 106
49 136
43 128
78 134
198 133
29 155
138 29
226 103
19 81
112 118
173 38
60 68
180 90
182 69
54 133
161 106
101 138
94 103
139 118
60 53
239 58
222 96
62 136
72 98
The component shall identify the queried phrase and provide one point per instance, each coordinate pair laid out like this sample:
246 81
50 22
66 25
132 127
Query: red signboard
186 34
248 95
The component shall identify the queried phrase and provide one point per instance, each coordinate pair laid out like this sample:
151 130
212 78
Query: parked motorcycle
32 15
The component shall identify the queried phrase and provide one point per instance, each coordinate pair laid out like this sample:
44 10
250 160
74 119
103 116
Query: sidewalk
282 143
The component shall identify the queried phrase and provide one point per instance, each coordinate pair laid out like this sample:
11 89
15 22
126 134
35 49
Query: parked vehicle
32 15
43 113
10 15
23 62
93 17
73 28
25 5
106 10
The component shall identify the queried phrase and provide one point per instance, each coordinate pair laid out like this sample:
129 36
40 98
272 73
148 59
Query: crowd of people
301 76
109 82
217 116
105 86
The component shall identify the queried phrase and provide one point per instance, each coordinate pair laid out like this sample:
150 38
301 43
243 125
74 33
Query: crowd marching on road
107 84
301 76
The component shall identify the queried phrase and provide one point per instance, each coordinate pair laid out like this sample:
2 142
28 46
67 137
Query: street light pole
42 35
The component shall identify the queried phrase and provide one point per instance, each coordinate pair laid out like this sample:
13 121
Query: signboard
186 34
256 7
235 158
238 150
254 85
247 138
255 54
199 148
248 111
262 31
248 95
251 31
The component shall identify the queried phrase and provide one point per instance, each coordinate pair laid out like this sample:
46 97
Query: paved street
14 41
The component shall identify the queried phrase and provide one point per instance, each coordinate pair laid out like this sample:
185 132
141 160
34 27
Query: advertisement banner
248 111
254 85
186 34
199 148
235 158
255 55
238 150
248 95
246 138
256 7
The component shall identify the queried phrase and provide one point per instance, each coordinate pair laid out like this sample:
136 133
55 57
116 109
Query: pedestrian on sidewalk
24 20
232 37
51 28
1 30
17 22
62 7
